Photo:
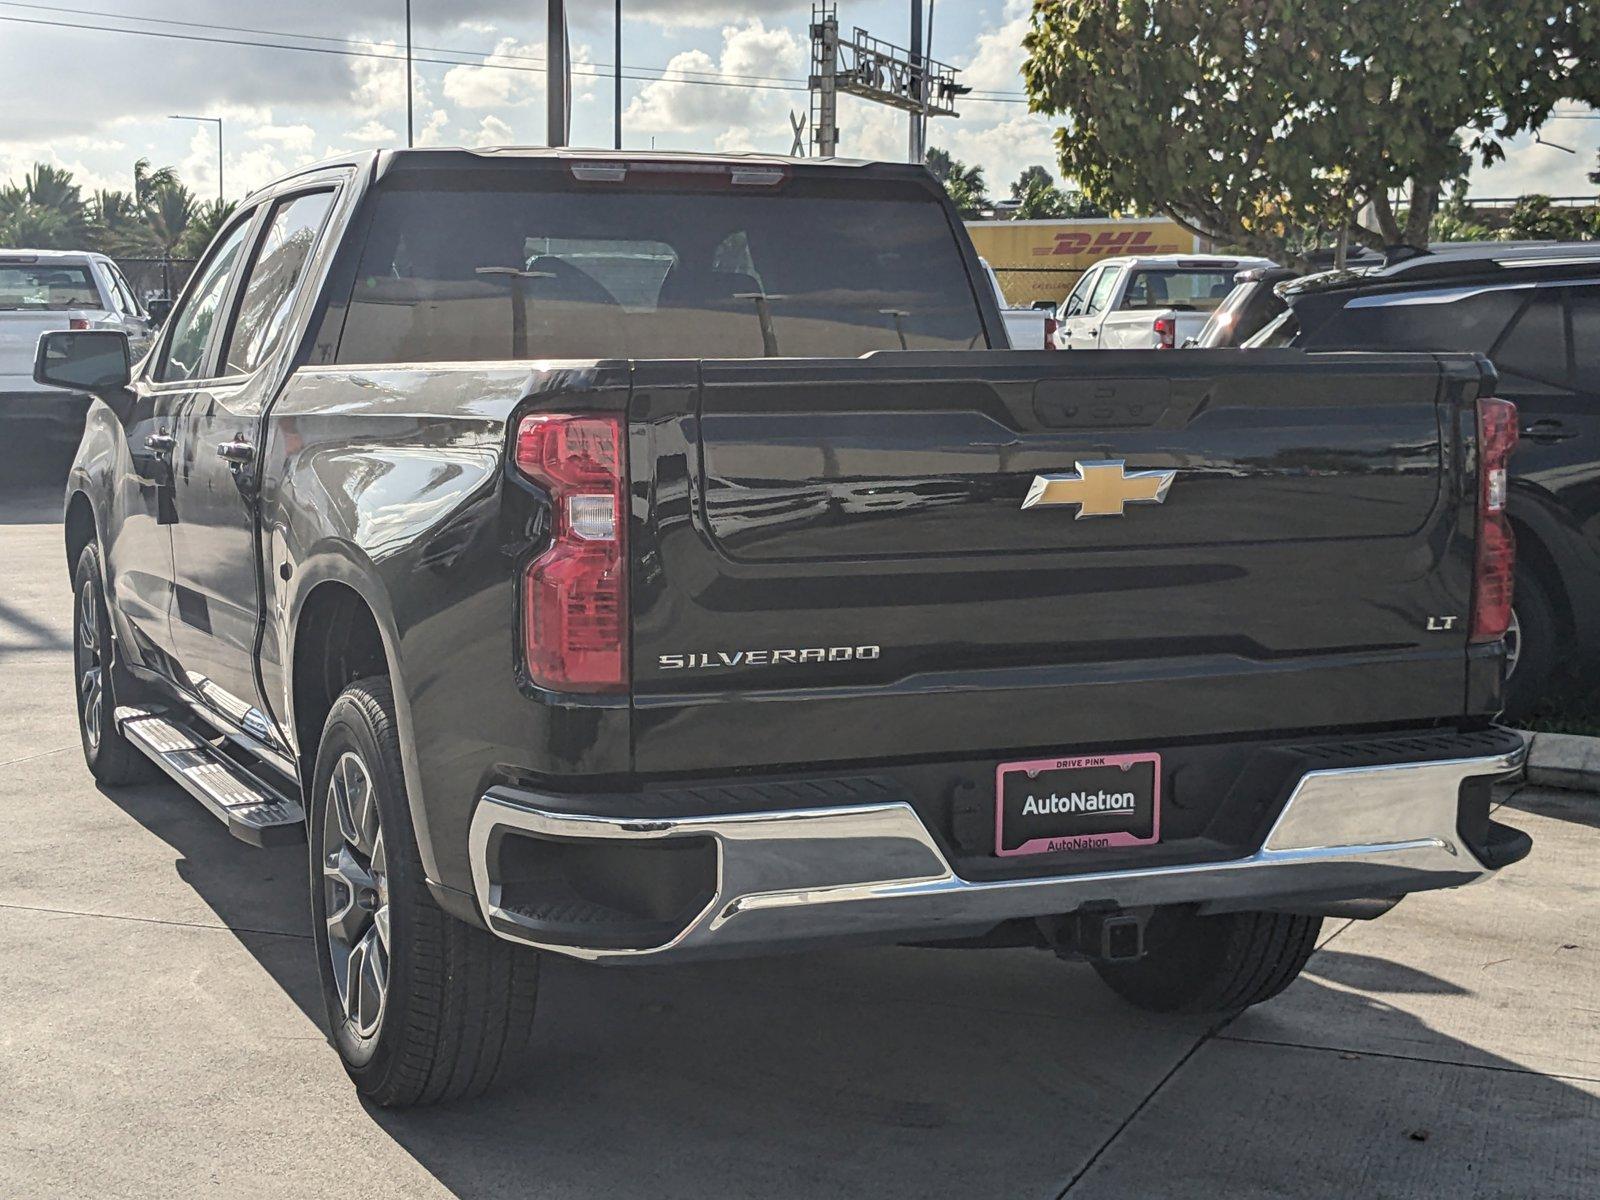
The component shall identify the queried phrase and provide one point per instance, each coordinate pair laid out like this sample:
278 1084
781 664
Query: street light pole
618 64
558 117
410 135
217 121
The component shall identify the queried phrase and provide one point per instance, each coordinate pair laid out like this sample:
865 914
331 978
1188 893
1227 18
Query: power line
363 48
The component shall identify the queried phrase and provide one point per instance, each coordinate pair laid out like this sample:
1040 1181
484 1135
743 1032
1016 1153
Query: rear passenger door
1549 364
217 592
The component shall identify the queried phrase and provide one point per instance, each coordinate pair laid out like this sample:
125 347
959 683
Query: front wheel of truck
1218 964
421 1006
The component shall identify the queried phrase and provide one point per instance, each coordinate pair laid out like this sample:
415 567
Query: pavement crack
220 927
11 762
1504 1068
1142 1105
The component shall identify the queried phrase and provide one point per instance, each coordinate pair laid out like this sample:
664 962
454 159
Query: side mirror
95 361
159 310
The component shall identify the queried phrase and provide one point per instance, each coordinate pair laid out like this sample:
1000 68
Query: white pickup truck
1026 328
42 290
1150 303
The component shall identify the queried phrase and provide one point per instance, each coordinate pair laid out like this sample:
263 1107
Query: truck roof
1222 261
65 257
1467 261
382 162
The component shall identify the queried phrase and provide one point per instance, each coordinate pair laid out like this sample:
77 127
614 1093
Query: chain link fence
1023 287
151 278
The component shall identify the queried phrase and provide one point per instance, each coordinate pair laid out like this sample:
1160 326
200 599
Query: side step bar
253 811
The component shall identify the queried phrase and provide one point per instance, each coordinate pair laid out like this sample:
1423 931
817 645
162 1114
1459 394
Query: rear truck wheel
1221 964
1530 645
112 759
421 1006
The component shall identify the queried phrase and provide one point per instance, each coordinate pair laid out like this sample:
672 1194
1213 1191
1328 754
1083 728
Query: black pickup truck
643 558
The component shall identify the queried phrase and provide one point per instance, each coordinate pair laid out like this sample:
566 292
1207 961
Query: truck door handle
1547 431
238 452
160 443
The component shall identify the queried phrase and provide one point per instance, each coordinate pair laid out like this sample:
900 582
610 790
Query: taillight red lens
575 594
1166 333
1497 545
1050 327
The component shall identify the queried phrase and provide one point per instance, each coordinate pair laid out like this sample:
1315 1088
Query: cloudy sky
90 85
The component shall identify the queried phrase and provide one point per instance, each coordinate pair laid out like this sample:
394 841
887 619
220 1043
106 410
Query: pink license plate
1089 802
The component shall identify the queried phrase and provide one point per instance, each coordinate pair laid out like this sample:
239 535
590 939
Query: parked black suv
1535 311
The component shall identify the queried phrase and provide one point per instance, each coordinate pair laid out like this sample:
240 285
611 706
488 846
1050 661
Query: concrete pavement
160 1033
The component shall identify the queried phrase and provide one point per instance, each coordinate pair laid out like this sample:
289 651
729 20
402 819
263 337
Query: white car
1151 303
1026 328
42 290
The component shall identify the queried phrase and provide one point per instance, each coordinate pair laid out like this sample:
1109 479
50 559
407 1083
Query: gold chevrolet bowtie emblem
1099 489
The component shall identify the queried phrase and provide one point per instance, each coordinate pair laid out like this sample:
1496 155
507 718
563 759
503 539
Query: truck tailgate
843 547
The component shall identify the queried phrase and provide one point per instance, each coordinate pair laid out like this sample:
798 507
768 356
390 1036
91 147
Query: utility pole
914 149
559 117
824 88
217 121
411 139
618 60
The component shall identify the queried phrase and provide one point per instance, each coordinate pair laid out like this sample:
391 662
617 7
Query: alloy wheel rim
1513 643
356 896
91 669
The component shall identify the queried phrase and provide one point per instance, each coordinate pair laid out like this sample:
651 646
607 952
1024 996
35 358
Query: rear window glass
42 287
1425 321
538 267
1181 289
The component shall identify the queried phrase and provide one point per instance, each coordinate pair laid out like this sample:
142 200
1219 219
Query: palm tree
169 210
118 224
146 182
204 225
46 212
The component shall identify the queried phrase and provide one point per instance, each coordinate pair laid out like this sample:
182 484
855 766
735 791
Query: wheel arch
80 527
341 630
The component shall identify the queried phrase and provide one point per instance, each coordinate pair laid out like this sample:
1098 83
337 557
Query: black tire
457 1010
1221 964
112 759
1538 636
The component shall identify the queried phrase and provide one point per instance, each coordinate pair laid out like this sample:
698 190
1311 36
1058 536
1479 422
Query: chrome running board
253 811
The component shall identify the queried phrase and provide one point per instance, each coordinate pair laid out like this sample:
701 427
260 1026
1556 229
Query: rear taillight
77 322
575 594
1050 327
1166 333
1497 547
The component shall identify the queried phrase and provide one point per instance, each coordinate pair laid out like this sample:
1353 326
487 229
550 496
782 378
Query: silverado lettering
767 658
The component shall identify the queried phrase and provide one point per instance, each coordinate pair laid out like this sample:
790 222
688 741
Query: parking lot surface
160 1032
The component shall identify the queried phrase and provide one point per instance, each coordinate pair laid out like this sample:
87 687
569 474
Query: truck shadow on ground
887 1072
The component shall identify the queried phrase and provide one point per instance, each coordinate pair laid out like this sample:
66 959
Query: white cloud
708 14
373 131
492 131
513 74
290 137
432 131
678 105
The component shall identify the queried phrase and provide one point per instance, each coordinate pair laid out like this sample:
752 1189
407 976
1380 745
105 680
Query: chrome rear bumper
872 872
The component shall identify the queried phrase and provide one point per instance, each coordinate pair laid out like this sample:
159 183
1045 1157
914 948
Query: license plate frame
1097 828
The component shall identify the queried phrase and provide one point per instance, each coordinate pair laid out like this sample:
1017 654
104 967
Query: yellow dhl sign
1041 260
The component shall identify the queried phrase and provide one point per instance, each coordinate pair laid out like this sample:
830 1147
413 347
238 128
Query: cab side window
273 280
1584 306
1080 294
1104 286
1535 346
184 356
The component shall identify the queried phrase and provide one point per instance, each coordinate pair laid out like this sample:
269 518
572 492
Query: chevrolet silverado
643 558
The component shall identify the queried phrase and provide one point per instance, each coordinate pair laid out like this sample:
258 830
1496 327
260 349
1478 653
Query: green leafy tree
1033 177
1535 217
1270 125
118 224
1041 202
965 184
147 182
46 211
